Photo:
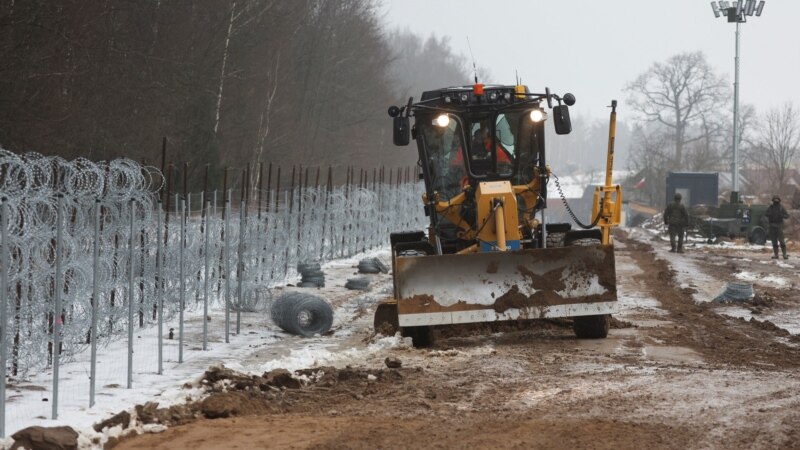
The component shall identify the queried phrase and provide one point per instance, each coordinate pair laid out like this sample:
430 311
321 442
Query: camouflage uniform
677 219
776 214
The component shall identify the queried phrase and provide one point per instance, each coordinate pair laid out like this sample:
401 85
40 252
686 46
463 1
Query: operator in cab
480 152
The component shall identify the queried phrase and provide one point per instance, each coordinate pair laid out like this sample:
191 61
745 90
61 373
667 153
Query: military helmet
775 198
677 196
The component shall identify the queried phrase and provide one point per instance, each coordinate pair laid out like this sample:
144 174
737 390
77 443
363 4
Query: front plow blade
523 284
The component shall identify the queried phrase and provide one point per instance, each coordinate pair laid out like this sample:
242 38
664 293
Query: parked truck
700 192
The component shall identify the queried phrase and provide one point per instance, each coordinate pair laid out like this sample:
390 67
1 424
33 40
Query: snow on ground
706 288
573 186
260 346
764 279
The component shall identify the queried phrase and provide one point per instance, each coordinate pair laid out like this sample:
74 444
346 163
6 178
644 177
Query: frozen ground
677 371
706 269
259 347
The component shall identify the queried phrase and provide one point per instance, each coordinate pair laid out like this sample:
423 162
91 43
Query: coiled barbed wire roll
84 179
16 175
358 284
372 265
254 296
736 292
302 314
332 223
311 274
41 183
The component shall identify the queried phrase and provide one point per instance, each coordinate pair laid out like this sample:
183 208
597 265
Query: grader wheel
385 321
421 337
591 327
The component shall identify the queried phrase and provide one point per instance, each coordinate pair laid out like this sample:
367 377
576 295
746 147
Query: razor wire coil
300 225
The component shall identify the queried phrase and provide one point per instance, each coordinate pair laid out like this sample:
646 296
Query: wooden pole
185 181
163 166
167 200
278 189
291 192
260 186
269 185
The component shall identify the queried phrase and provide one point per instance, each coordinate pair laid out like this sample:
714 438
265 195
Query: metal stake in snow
240 271
93 333
3 311
130 297
159 290
227 208
206 233
183 280
57 313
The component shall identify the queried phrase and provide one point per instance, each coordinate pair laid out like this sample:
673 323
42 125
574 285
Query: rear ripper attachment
486 255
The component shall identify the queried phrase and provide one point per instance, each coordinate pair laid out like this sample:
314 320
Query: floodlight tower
736 12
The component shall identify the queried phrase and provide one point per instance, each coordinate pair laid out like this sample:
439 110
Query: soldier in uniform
776 215
677 219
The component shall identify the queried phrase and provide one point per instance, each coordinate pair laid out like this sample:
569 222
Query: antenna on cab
474 67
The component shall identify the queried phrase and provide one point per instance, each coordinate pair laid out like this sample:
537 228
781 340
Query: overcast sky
593 48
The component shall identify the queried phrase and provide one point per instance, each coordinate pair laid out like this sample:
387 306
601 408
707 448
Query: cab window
443 143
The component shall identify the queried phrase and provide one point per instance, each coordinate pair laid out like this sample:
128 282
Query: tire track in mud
719 339
539 387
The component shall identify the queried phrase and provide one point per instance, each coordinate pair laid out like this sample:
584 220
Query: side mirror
402 133
561 119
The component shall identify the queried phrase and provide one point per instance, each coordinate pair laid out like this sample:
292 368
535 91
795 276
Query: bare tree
651 160
301 82
778 143
677 95
424 64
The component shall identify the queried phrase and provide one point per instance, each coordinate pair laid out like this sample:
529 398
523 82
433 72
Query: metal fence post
183 280
130 296
159 290
58 289
240 271
228 267
95 264
206 239
3 311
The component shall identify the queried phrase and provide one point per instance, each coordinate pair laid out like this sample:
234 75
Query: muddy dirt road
674 373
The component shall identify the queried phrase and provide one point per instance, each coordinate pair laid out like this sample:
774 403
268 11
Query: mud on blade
525 284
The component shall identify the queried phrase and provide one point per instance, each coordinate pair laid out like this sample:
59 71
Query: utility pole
737 13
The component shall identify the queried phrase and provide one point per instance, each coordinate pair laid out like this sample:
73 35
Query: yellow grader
488 253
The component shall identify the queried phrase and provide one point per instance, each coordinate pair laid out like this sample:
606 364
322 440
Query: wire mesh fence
91 257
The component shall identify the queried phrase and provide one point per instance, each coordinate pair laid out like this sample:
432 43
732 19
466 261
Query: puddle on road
641 322
612 345
615 345
681 355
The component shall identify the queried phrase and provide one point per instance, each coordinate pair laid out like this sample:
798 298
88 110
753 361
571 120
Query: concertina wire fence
74 231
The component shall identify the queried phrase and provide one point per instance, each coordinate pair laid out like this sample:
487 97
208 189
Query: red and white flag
640 184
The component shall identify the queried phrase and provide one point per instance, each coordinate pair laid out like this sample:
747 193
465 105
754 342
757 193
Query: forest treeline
301 82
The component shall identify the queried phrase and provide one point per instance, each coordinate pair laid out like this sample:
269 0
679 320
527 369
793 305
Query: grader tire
385 321
591 327
421 337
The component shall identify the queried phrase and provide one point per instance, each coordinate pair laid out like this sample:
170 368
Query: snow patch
768 279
